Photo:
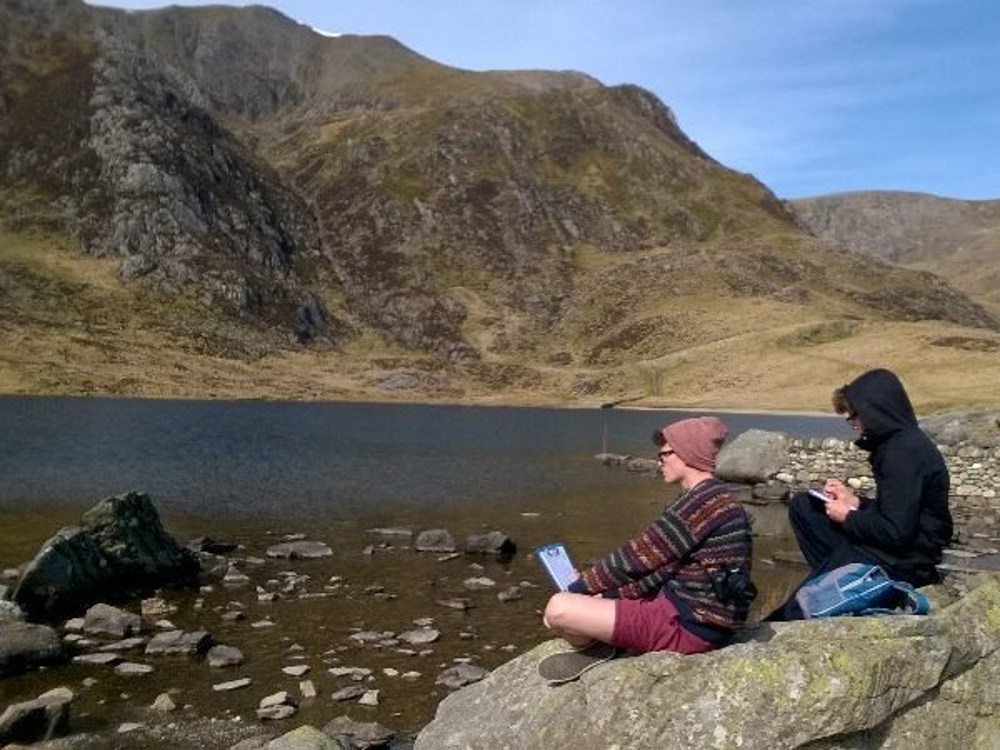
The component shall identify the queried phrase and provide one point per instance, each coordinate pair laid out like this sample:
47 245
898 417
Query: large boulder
24 646
847 682
43 718
753 456
119 550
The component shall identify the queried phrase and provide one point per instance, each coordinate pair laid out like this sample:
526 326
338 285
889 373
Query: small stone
99 659
348 693
370 698
129 668
164 703
456 603
224 656
420 637
307 688
296 670
479 583
129 726
232 684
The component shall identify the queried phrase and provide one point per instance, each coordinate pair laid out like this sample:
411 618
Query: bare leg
579 619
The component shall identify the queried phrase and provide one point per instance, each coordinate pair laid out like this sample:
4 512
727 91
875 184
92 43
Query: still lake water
308 461
254 471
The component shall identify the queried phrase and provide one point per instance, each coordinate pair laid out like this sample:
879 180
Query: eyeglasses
662 455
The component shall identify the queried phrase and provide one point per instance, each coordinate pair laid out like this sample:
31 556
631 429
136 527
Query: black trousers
823 544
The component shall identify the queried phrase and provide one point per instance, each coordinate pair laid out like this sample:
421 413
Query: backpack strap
912 602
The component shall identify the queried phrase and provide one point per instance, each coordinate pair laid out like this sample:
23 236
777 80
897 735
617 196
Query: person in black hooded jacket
907 523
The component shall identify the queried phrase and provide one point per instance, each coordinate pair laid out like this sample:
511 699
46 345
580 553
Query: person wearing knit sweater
683 584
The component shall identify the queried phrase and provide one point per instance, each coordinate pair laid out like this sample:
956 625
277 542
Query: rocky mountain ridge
958 239
532 229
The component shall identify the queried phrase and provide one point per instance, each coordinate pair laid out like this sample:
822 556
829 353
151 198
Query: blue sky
810 96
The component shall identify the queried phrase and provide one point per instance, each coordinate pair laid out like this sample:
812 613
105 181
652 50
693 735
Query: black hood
880 400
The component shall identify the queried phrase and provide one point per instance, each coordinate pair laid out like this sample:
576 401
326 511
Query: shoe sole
567 666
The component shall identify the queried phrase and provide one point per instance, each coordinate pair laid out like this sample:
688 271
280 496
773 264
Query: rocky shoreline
363 665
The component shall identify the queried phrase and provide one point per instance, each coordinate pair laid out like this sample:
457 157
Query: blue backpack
858 589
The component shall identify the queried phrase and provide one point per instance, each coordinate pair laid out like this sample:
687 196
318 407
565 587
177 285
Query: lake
255 471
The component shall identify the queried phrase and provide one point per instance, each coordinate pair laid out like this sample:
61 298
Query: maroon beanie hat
696 441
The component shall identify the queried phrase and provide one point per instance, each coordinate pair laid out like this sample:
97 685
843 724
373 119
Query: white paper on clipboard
555 560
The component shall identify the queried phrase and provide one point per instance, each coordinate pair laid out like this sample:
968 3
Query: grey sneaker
566 666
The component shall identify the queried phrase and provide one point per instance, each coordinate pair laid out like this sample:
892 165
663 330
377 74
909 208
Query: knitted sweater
701 531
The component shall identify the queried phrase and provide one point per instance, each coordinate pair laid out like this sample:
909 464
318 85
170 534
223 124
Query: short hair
840 403
658 439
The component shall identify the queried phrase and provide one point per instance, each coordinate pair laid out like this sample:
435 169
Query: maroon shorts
644 625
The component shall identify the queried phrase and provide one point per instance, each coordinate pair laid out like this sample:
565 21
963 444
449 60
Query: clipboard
555 561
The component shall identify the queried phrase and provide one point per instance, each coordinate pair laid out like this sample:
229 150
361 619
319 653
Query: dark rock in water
24 645
120 550
435 540
41 719
212 546
300 549
494 543
358 733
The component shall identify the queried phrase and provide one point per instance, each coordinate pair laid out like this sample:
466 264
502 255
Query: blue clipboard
555 561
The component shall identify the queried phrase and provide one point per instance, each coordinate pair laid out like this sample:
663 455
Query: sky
810 96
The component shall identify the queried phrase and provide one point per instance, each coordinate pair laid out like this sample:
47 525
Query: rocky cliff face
348 189
958 239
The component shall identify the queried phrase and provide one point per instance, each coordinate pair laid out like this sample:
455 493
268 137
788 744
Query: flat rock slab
102 659
131 668
179 642
222 687
300 550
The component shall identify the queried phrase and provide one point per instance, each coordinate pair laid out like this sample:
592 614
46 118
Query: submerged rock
25 646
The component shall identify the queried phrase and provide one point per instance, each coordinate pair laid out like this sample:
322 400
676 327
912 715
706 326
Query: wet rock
392 534
281 705
295 670
103 619
456 603
131 669
223 687
420 637
179 642
510 594
349 693
130 726
494 543
300 550
101 659
126 644
212 546
355 673
371 636
307 688
25 646
479 583
358 734
119 549
164 703
224 656
370 698
154 608
435 540
460 675
235 577
40 719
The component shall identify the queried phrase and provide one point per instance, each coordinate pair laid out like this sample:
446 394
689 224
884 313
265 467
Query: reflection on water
255 471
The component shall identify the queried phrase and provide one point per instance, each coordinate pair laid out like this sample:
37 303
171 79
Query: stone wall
975 476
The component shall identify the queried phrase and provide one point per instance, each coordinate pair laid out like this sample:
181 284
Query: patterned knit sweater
703 530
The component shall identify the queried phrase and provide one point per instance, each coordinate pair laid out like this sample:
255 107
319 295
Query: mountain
221 201
958 239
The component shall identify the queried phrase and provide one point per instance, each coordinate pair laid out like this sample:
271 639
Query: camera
732 585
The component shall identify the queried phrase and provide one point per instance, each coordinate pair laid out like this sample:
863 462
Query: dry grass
84 331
